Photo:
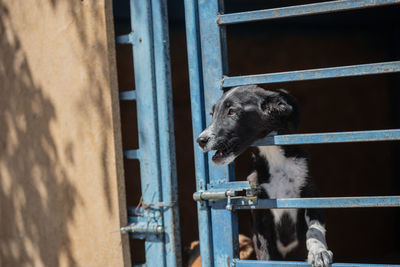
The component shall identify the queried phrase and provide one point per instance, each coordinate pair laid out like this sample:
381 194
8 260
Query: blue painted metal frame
169 183
248 263
125 38
213 51
198 123
314 74
145 82
328 202
158 224
301 10
208 75
128 95
322 138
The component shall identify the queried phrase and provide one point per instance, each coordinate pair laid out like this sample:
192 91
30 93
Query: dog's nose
202 140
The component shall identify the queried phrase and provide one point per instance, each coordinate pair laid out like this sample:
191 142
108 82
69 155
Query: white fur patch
318 253
284 250
287 176
318 226
208 132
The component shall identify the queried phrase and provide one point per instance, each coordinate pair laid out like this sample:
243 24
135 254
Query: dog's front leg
318 253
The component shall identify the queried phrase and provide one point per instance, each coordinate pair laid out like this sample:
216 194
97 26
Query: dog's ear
283 104
294 116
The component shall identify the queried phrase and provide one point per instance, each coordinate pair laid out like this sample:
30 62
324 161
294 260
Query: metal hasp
218 196
157 221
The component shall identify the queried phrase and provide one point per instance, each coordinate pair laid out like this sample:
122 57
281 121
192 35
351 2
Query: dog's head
243 115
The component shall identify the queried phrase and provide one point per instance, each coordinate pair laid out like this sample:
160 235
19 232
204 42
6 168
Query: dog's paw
320 258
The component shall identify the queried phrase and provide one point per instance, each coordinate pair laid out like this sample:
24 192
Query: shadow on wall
39 197
32 183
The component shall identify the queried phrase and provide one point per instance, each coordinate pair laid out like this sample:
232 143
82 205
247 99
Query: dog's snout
202 140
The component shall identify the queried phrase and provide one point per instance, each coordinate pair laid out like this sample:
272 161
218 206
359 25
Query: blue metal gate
206 44
157 219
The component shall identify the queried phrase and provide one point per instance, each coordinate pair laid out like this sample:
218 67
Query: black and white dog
243 115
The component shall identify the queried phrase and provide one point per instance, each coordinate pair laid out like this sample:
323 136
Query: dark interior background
345 104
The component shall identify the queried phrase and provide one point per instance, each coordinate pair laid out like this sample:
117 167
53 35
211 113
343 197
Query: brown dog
245 250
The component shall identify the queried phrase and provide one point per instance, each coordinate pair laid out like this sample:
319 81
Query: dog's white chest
287 176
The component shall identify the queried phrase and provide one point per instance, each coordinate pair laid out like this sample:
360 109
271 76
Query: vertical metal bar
143 50
198 123
166 133
213 47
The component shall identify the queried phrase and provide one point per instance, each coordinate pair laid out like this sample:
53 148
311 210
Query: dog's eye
211 113
231 112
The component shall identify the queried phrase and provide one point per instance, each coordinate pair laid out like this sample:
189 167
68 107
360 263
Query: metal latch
144 223
213 195
234 193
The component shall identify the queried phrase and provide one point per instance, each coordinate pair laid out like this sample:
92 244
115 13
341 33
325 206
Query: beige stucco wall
61 180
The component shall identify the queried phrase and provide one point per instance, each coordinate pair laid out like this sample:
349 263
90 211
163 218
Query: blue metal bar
132 154
248 263
313 74
301 10
127 95
328 202
125 38
213 47
230 185
145 84
198 123
321 138
166 133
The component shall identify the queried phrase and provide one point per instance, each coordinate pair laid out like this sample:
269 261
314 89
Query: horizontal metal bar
329 202
237 185
338 137
125 38
131 154
313 74
248 263
301 10
127 95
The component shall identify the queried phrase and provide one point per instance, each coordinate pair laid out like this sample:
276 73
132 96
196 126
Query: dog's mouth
226 152
219 154
223 156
